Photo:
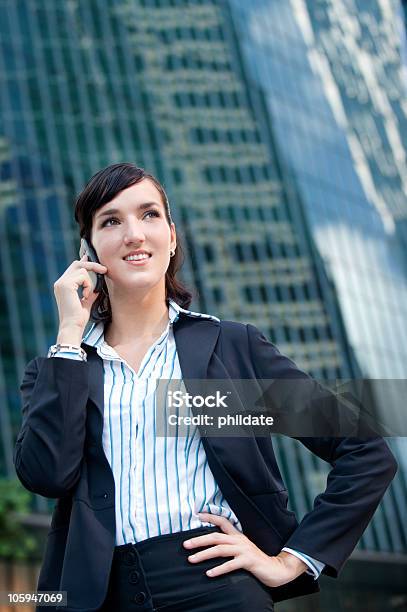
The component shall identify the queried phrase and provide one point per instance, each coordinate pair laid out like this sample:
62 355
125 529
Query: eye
108 219
155 213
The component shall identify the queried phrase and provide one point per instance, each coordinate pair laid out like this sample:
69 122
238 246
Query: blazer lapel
196 341
195 346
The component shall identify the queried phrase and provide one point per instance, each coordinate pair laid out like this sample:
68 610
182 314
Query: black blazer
59 454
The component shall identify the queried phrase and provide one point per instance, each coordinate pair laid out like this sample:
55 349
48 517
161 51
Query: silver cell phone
95 277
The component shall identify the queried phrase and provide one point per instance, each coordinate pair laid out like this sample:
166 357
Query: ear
173 243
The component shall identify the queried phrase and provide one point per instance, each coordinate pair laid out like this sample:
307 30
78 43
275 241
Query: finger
87 286
90 299
224 568
83 280
93 263
221 521
91 296
85 294
90 265
207 540
221 550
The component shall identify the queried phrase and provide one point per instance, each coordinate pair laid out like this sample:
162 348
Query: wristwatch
70 348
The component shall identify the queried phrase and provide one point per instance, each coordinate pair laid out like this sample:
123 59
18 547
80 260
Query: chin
142 284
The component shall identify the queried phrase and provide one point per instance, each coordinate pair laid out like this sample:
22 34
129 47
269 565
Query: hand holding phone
85 276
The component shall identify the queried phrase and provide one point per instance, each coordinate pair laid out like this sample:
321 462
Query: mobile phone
95 277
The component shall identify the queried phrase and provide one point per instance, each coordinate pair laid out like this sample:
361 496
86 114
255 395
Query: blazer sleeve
362 469
49 447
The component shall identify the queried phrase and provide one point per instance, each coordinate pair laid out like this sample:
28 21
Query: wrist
70 334
293 563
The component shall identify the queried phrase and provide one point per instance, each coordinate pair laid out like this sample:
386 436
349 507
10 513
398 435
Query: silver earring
172 253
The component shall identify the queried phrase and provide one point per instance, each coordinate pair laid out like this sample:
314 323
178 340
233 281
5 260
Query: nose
134 233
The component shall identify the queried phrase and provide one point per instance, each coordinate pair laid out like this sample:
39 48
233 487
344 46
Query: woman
132 506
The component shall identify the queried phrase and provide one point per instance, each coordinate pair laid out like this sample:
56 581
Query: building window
218 295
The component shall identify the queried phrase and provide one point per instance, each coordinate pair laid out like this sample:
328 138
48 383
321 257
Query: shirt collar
95 335
190 313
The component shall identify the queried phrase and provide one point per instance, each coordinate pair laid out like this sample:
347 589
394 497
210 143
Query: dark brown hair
102 188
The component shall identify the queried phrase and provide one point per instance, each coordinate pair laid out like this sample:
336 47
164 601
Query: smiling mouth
138 262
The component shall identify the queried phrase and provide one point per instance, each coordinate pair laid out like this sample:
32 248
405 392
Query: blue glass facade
278 128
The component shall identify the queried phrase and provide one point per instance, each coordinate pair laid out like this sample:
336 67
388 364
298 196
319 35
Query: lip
139 252
140 262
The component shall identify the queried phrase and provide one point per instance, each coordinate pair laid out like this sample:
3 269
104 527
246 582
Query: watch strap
68 348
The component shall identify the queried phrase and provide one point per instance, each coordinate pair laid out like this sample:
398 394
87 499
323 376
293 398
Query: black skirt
155 574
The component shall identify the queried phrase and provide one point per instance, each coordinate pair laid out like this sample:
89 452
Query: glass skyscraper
278 128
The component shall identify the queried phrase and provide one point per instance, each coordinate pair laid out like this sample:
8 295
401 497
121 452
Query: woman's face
138 224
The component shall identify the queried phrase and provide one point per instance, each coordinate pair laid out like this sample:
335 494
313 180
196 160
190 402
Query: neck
143 318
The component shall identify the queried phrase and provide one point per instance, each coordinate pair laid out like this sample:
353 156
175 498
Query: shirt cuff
315 567
67 355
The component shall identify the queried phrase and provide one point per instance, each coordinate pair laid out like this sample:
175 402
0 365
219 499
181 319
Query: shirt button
134 577
105 495
140 598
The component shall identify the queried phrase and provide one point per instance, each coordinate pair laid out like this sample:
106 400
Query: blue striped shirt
161 483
